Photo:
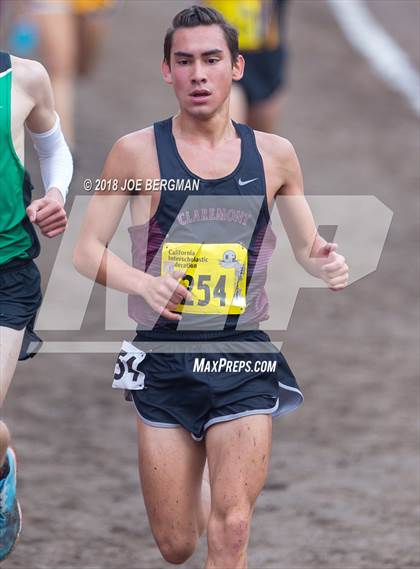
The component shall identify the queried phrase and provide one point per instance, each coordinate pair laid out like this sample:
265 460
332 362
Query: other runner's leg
266 115
10 343
59 49
10 518
238 104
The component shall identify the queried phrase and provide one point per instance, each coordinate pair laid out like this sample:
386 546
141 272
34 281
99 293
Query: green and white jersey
18 240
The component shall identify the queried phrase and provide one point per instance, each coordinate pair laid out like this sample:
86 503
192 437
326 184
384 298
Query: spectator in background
68 35
257 99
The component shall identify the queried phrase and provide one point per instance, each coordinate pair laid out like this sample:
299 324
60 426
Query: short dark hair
201 16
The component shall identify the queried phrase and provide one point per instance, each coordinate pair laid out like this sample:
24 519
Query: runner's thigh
238 104
171 466
10 343
238 453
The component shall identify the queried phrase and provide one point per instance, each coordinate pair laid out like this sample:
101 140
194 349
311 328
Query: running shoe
10 514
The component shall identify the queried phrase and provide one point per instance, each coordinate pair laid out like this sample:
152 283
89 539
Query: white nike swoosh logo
245 182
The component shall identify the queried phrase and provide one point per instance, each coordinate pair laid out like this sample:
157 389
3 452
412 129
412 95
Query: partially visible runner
70 34
204 378
258 98
25 99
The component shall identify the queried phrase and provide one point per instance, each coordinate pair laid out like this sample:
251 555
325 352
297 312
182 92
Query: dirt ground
343 486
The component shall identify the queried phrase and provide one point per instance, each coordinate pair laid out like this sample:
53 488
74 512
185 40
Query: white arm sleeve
54 158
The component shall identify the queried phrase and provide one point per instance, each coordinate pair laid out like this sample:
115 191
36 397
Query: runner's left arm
54 155
315 254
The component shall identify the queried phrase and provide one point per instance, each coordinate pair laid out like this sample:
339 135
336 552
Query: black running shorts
20 298
214 377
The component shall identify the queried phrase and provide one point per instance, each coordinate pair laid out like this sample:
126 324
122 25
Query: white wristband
55 159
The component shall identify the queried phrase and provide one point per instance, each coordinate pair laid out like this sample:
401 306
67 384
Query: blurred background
343 486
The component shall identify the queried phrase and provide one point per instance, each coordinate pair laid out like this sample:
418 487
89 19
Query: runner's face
201 69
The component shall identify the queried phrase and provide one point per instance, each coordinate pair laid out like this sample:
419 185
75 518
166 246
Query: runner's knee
228 531
175 548
4 438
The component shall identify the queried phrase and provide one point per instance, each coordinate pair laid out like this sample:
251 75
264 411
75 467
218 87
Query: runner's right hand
164 293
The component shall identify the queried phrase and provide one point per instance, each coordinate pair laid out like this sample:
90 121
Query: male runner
258 98
196 366
25 99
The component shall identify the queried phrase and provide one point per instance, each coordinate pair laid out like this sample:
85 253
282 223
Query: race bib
215 274
127 374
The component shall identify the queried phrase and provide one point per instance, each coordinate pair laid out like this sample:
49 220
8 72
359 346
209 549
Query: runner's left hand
49 213
332 266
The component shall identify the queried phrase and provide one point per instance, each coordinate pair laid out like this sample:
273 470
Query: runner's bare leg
238 104
171 468
266 115
10 343
238 453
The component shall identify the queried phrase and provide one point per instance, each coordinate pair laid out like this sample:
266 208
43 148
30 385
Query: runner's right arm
55 160
92 257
